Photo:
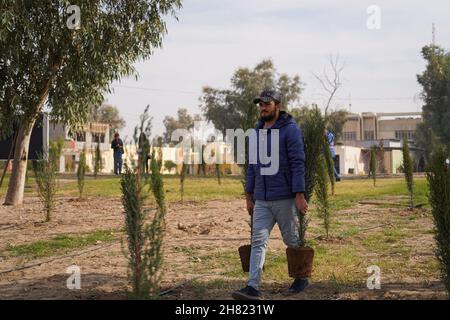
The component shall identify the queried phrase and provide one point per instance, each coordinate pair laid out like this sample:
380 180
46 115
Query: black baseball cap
267 96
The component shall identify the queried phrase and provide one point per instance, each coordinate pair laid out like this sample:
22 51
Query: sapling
408 171
321 193
81 172
438 176
144 240
45 172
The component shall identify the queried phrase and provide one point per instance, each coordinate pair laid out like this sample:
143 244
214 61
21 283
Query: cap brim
262 99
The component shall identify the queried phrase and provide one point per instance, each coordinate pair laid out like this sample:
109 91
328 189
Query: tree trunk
16 183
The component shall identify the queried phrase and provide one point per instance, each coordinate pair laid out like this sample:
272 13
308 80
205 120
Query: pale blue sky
212 38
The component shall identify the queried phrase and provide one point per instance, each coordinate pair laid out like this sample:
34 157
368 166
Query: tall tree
435 81
107 113
233 108
184 121
438 177
46 62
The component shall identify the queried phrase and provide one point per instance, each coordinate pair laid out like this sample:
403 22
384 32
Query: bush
169 165
438 177
408 171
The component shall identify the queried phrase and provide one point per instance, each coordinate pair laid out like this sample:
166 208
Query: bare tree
331 81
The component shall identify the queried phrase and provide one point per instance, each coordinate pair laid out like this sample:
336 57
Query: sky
212 38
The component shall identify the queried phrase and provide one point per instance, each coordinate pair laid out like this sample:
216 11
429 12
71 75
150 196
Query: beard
268 117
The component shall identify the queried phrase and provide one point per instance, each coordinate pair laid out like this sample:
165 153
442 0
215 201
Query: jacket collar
283 119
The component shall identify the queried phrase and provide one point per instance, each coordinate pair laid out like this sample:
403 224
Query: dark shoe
338 179
298 285
247 293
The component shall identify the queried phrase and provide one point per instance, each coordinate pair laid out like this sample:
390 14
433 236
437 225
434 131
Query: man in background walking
330 139
117 146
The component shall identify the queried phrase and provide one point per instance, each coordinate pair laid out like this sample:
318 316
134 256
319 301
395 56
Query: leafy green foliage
335 120
438 178
109 114
169 165
234 108
435 127
408 171
313 126
45 64
184 121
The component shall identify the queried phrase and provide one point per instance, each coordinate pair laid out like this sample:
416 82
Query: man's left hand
300 203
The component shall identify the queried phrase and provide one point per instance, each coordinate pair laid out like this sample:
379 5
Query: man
275 198
117 146
330 138
421 166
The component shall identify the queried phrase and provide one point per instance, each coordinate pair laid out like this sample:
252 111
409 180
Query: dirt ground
210 227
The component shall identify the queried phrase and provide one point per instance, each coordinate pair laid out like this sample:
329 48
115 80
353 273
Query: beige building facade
385 130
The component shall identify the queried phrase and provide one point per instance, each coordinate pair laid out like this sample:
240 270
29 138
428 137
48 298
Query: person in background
117 146
330 139
421 165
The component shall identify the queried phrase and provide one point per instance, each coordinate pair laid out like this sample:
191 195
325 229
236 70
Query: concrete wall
350 158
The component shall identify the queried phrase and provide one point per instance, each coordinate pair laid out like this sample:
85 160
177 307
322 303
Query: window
98 137
402 134
369 135
349 136
80 136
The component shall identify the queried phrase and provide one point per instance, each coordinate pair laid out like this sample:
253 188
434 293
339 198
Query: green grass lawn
348 192
59 244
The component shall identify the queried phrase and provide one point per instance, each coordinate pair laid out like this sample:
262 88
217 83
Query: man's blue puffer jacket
290 177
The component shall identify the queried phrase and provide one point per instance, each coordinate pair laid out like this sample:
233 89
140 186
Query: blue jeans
117 164
336 174
265 215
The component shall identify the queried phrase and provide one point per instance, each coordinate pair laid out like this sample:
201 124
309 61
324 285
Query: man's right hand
250 203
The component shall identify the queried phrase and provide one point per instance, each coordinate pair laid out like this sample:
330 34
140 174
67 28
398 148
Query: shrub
81 172
438 177
408 171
